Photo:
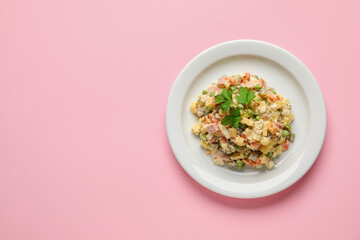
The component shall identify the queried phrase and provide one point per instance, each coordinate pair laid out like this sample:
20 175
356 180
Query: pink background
83 146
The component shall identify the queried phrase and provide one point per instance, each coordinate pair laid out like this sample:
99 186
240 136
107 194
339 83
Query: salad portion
243 122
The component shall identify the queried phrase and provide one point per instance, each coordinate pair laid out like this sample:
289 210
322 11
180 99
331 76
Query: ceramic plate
282 71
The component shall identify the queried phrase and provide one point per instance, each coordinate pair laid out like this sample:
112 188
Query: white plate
283 71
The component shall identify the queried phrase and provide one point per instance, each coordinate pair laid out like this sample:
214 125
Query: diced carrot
232 81
212 118
274 98
255 145
245 78
262 82
243 136
285 145
205 120
246 161
273 127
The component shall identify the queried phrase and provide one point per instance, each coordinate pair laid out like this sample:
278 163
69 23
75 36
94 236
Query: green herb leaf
235 111
228 120
225 105
227 94
242 95
243 98
233 119
236 123
219 98
250 96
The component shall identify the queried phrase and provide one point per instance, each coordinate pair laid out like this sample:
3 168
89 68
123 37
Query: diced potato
218 162
224 145
269 164
291 117
288 119
264 140
204 145
231 164
282 140
277 105
210 102
265 128
257 97
267 148
278 150
239 141
224 130
247 121
194 107
196 129
236 156
264 159
262 107
203 128
233 132
254 136
286 112
259 125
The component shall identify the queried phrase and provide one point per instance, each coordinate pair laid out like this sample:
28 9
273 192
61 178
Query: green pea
257 87
240 164
269 155
258 117
202 136
285 133
204 92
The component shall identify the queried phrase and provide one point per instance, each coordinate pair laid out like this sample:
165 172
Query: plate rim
285 54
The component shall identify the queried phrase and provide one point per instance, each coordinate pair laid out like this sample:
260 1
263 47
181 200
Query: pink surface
83 146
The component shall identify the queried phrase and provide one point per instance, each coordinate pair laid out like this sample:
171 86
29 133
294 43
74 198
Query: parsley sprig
243 98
